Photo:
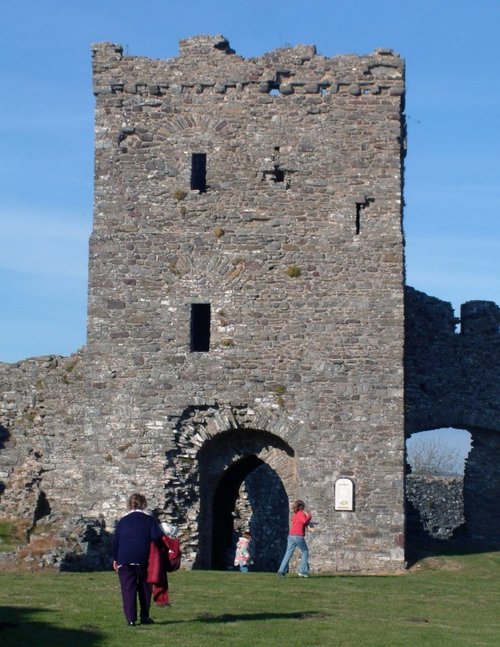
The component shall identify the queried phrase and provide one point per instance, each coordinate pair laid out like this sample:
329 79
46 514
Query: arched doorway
250 496
246 478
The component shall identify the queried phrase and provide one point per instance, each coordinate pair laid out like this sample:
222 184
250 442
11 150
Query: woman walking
300 520
133 536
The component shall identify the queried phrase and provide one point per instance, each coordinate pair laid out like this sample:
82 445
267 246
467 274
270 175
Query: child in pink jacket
243 557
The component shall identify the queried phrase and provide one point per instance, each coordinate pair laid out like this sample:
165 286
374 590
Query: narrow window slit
199 172
359 207
200 327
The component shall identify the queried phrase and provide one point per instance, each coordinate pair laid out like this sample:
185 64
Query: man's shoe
132 624
302 574
280 574
147 621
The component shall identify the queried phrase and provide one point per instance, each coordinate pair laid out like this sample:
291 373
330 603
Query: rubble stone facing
41 459
41 420
436 505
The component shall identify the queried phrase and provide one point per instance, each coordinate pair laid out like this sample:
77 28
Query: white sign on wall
344 494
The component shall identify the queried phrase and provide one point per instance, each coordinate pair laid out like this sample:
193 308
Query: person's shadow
235 617
225 618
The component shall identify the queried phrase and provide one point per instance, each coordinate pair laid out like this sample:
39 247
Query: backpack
174 553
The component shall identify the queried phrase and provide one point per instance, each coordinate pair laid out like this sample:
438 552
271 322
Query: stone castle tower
246 319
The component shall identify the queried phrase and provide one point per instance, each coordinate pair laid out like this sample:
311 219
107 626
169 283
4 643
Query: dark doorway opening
224 504
264 512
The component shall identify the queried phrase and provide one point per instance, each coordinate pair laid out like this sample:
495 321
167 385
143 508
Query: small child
242 557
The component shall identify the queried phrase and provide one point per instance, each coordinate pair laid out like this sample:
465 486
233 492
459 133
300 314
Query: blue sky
452 222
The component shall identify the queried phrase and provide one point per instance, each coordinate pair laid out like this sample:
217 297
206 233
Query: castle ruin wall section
451 368
41 427
291 233
451 364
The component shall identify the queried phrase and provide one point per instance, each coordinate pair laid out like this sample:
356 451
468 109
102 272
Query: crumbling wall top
106 52
203 45
208 62
480 318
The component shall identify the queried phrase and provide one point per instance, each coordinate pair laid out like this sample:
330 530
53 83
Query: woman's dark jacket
133 536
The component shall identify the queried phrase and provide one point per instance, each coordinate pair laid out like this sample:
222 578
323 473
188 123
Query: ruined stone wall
451 364
452 381
436 506
41 420
296 244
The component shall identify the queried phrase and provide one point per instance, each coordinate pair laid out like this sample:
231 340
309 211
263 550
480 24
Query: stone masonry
291 238
435 506
246 321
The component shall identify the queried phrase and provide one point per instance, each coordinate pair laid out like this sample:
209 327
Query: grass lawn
449 600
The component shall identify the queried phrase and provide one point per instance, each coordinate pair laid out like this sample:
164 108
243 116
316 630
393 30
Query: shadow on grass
422 547
17 627
246 617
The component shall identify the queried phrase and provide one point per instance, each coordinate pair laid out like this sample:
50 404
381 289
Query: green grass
450 600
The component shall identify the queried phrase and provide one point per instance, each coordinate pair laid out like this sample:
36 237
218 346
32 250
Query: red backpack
174 553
